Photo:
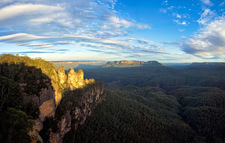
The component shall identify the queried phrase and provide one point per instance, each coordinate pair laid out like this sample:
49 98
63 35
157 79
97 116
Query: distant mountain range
125 63
207 64
133 63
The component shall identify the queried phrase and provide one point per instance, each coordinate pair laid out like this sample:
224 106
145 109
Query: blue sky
162 30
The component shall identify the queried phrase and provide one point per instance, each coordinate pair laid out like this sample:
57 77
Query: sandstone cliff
40 83
74 109
75 114
70 81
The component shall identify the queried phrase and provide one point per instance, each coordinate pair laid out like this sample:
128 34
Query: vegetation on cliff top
21 78
46 67
21 82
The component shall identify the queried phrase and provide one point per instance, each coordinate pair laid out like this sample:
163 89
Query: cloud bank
209 43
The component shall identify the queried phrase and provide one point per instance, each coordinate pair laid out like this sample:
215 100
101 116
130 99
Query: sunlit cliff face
80 77
72 80
62 75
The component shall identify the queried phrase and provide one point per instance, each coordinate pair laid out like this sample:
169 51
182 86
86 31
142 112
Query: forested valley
158 104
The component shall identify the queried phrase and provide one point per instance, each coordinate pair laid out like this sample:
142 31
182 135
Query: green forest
157 105
17 109
146 104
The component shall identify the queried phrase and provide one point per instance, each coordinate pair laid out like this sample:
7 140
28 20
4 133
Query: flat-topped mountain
125 63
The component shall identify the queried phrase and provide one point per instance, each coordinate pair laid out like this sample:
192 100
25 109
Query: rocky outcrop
76 110
44 94
129 62
48 100
73 79
34 133
70 81
62 77
49 97
42 87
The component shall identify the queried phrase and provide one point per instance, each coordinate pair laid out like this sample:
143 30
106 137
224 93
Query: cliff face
75 111
39 82
70 81
74 115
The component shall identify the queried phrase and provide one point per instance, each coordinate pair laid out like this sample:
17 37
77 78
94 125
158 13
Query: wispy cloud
44 24
207 2
20 37
12 11
122 45
181 30
143 41
180 22
33 14
206 16
178 14
68 16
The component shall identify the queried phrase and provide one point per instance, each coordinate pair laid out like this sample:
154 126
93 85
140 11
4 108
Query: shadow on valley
161 76
19 100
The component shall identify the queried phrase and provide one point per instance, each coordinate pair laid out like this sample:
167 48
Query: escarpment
126 64
73 110
40 91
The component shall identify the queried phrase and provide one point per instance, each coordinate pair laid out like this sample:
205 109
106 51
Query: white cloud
165 2
13 11
143 41
184 23
207 2
163 10
108 3
180 23
142 26
125 45
57 17
117 22
20 37
206 16
178 16
53 23
27 16
38 21
210 42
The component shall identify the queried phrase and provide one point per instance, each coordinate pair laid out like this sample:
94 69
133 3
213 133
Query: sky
168 31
